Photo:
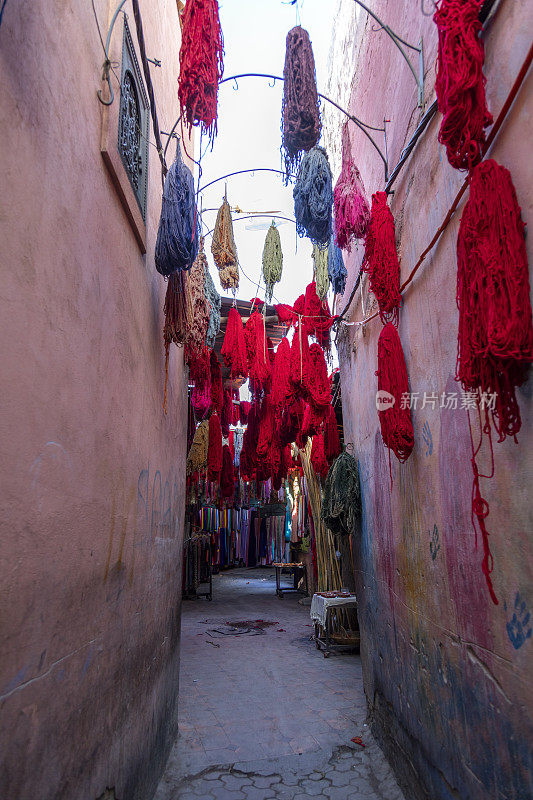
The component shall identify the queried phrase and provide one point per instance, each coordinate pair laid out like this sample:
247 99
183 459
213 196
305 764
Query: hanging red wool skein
460 83
217 392
396 424
281 375
200 375
351 206
234 346
201 65
226 418
214 450
227 477
257 349
495 339
332 443
381 259
318 457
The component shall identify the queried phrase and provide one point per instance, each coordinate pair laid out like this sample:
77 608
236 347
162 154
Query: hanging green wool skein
272 260
320 260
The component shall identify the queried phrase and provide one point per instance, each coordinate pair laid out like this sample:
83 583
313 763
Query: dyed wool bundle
217 392
281 375
286 315
224 249
201 67
495 342
317 316
318 457
460 83
291 421
200 375
175 328
381 259
300 357
196 303
313 197
197 456
332 443
396 423
300 112
244 410
176 246
213 305
226 418
234 346
312 420
267 427
321 272
352 214
214 451
272 261
337 272
227 477
341 506
257 349
317 385
235 404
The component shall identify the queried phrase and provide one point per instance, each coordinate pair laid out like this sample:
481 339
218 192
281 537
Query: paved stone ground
264 715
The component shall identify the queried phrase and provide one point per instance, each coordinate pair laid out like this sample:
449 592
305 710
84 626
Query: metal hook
425 13
106 77
272 84
235 88
381 28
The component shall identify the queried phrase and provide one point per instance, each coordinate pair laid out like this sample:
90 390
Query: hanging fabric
352 213
495 338
460 83
395 419
201 65
341 507
321 272
313 197
224 249
272 261
381 259
300 112
234 346
176 246
213 304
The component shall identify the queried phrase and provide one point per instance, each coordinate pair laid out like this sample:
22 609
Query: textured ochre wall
445 670
92 471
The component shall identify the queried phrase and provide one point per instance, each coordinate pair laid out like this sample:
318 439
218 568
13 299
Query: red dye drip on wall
460 83
381 259
201 66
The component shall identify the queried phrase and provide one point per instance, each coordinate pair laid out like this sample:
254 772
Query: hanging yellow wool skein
224 249
272 260
320 259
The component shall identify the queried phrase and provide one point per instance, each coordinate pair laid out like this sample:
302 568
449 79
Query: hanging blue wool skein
178 235
313 197
336 270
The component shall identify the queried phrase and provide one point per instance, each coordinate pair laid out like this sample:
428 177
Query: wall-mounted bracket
400 43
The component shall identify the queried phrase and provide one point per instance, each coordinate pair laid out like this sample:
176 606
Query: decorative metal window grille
133 122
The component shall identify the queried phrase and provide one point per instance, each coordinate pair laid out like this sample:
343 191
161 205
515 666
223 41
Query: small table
297 569
320 614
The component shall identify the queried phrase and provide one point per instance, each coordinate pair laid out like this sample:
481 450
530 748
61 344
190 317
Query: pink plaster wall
92 471
445 674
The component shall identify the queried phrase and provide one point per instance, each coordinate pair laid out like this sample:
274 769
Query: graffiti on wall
434 544
518 628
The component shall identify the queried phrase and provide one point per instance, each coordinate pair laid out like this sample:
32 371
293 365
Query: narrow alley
262 714
267 400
